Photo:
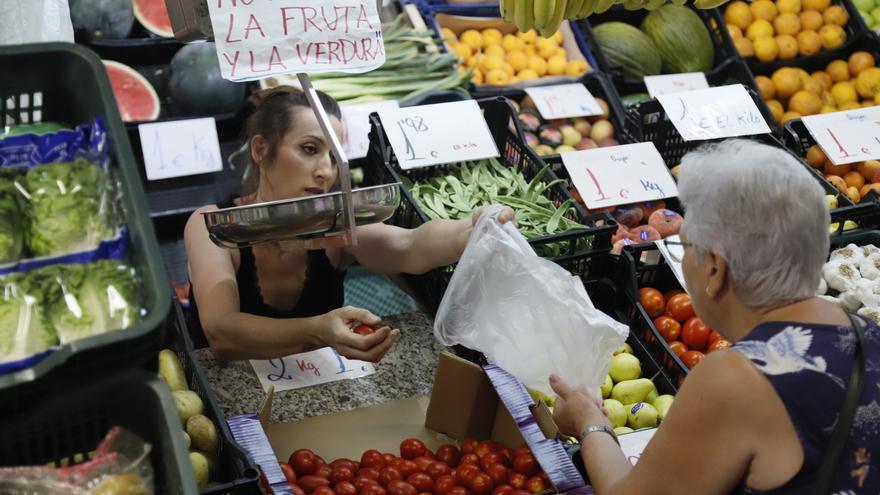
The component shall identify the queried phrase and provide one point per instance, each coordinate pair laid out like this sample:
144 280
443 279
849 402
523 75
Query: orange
765 87
537 64
491 62
744 47
556 65
448 34
511 43
790 116
787 24
776 109
809 42
473 38
811 19
853 194
804 103
844 93
494 50
518 60
816 157
576 68
812 86
835 14
788 47
860 61
529 37
477 77
526 74
497 77
853 105
827 99
766 49
832 36
463 50
836 181
788 6
868 83
838 70
759 29
735 32
491 36
739 14
787 82
823 79
854 179
828 109
509 69
763 9
819 5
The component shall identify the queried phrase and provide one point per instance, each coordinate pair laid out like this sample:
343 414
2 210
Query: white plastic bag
526 314
34 21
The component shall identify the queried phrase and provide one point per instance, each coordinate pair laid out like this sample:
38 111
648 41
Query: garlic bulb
870 249
851 300
870 267
871 313
823 287
841 275
851 253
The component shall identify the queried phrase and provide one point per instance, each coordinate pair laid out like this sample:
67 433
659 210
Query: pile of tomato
673 316
478 468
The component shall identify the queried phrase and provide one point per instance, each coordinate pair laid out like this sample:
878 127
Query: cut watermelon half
153 15
135 96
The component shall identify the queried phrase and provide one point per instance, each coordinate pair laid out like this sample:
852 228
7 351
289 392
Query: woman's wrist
316 329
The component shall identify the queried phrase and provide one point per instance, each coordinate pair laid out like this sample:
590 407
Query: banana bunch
545 16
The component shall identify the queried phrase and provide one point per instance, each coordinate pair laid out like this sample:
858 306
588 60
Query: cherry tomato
421 481
464 474
482 449
360 483
517 480
519 491
525 464
323 490
669 329
470 459
341 473
493 458
692 358
437 469
695 334
423 462
389 474
449 454
652 300
345 488
407 467
522 449
370 473
499 473
536 484
363 330
508 453
502 490
678 348
288 471
389 458
304 462
714 336
324 471
680 307
482 484
400 487
457 491
718 344
372 459
468 446
350 464
372 489
412 448
310 482
294 488
443 484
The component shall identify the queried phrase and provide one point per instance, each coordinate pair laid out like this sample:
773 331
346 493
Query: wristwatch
594 429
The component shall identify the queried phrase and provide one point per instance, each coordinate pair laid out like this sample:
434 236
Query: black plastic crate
71 422
67 83
381 166
236 472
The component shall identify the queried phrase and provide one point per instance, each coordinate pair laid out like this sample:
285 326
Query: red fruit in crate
481 484
717 345
517 480
692 358
372 489
361 483
311 482
437 469
468 446
422 462
421 481
388 458
345 488
522 449
304 462
653 301
443 484
493 458
341 473
536 484
412 448
680 308
713 336
370 473
695 334
398 487
669 329
324 471
470 459
458 491
389 474
323 490
372 459
295 489
288 471
499 473
678 348
449 454
502 490
463 474
350 464
526 464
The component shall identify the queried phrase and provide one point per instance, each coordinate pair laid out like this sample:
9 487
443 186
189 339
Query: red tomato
470 459
652 300
350 464
360 483
468 446
508 453
482 449
423 462
519 491
482 484
388 458
363 330
692 358
443 484
341 473
372 459
310 482
464 474
407 467
412 448
437 469
389 474
517 480
680 308
399 487
324 471
695 334
323 490
493 458
714 336
370 473
499 473
372 489
502 490
669 329
457 491
449 454
671 293
678 348
288 471
294 488
536 484
526 464
522 449
718 344
421 481
304 462
345 488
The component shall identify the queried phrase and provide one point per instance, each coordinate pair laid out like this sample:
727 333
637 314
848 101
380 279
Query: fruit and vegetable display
631 399
851 279
673 317
643 222
844 84
855 180
114 19
498 59
199 432
476 468
562 135
413 68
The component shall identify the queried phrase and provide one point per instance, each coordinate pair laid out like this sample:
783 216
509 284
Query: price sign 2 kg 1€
619 175
849 136
436 134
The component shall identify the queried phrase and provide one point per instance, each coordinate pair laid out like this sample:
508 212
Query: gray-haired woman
757 417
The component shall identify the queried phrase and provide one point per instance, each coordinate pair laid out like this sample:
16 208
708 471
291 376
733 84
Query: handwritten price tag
180 147
671 261
725 111
675 83
848 136
564 101
633 444
619 175
309 368
356 123
257 39
435 134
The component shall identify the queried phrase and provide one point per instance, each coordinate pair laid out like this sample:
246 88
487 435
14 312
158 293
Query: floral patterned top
809 367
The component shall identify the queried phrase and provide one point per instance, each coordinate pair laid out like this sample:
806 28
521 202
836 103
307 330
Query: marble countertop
406 371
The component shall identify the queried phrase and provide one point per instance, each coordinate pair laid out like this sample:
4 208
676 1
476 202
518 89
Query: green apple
607 385
623 430
641 415
662 404
632 391
625 367
616 412
864 5
624 348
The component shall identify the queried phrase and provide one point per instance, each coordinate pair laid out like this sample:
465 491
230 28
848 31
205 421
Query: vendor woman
278 298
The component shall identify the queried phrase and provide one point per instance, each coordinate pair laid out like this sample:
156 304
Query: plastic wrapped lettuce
13 218
24 330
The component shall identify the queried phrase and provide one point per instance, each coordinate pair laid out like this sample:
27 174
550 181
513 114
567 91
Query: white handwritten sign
675 83
180 147
619 175
441 133
563 101
673 263
309 368
634 443
259 38
725 111
356 124
848 136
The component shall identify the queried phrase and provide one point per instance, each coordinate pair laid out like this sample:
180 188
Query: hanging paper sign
725 111
308 368
260 38
179 148
563 101
675 83
356 122
848 136
672 261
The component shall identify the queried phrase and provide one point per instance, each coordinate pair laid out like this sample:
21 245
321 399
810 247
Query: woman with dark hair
278 298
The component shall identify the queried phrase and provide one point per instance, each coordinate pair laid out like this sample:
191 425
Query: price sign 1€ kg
848 136
436 134
725 111
618 175
180 147
563 101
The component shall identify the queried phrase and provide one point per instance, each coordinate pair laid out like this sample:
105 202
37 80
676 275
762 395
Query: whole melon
628 48
681 38
110 19
196 86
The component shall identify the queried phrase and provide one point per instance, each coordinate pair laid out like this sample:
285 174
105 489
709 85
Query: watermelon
111 19
153 16
135 96
628 48
196 86
681 37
